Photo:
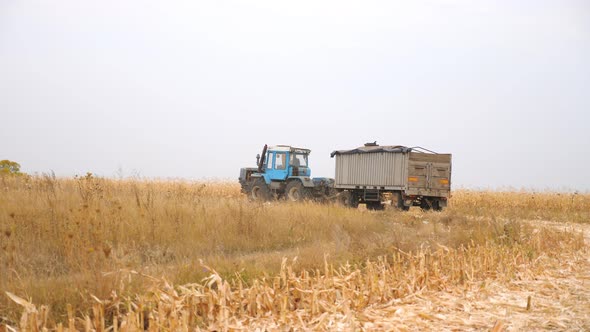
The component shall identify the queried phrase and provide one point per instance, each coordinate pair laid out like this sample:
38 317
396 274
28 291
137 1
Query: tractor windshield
298 160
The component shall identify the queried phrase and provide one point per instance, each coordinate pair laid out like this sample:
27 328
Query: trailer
404 176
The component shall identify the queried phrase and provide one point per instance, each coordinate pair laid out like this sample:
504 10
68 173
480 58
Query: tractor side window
299 160
280 161
269 160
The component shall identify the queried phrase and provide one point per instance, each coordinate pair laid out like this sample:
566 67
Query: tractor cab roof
288 148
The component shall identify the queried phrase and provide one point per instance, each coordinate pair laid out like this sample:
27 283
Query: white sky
194 89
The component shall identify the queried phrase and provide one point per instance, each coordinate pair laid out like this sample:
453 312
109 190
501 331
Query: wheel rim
294 194
256 192
347 200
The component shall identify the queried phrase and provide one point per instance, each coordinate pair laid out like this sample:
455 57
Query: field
94 254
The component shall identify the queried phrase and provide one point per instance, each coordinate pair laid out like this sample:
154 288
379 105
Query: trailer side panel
381 169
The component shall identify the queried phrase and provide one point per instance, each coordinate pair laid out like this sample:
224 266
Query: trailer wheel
436 206
399 202
259 191
376 206
348 199
296 192
425 204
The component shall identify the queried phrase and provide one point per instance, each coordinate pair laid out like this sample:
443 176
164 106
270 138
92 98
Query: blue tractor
283 172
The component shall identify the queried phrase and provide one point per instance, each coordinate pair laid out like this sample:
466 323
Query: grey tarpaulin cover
373 149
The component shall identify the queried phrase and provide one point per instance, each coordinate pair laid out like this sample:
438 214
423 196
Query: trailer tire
296 192
348 199
259 191
375 206
425 204
399 202
436 206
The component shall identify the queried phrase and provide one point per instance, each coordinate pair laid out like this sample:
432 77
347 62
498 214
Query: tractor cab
282 162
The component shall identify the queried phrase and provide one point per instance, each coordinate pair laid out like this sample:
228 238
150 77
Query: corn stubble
126 255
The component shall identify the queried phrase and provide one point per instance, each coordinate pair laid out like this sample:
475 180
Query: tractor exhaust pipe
262 159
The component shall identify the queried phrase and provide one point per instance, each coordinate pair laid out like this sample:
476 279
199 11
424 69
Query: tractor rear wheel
259 191
296 192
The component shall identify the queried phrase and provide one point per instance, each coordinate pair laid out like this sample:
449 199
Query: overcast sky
194 89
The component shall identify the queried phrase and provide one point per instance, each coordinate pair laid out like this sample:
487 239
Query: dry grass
563 207
77 241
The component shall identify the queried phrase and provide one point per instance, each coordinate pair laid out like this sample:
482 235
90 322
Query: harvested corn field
96 254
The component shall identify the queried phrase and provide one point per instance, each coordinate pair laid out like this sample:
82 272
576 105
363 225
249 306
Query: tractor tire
296 192
245 187
259 191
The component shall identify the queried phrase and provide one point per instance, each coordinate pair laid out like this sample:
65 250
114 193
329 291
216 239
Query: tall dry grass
72 241
555 206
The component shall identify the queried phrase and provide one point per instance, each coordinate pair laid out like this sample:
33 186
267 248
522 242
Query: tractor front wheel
296 192
259 191
436 206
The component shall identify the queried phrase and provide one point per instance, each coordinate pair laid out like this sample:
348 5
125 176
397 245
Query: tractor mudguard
307 182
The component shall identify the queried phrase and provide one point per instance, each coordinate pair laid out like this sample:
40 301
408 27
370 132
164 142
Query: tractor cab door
276 168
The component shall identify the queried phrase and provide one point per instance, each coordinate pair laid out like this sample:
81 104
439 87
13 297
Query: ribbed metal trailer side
386 170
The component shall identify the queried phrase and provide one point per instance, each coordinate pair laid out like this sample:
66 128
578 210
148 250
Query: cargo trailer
373 174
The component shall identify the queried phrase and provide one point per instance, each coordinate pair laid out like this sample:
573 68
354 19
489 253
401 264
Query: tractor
283 172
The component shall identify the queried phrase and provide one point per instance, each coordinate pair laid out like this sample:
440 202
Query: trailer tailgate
429 174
